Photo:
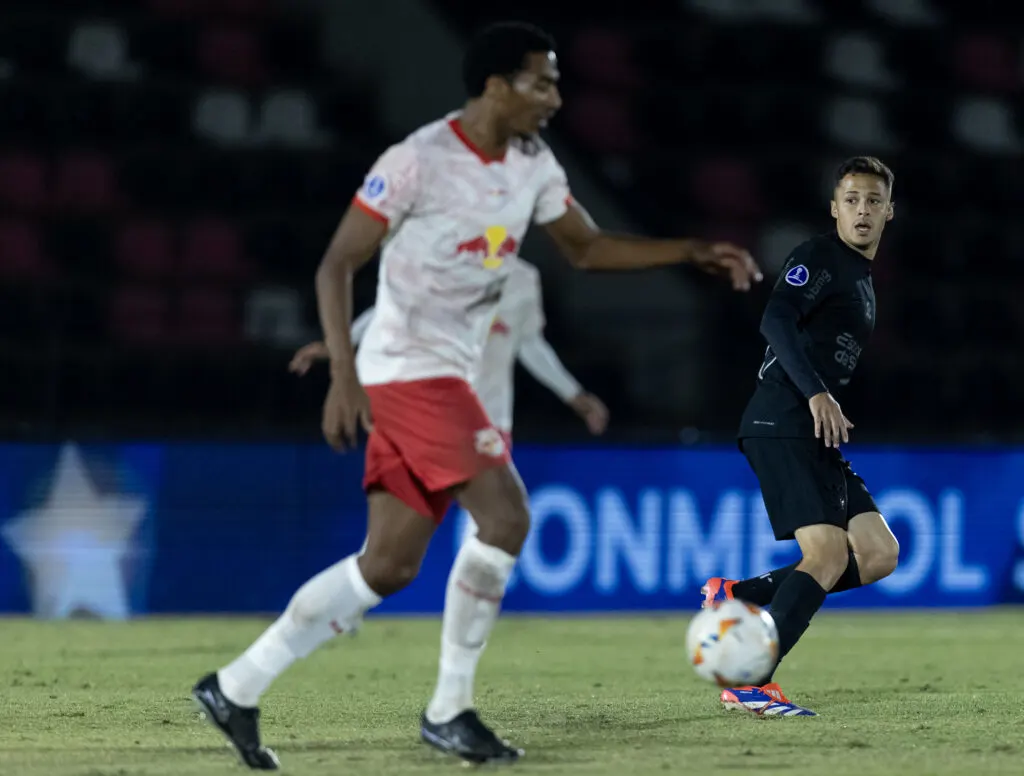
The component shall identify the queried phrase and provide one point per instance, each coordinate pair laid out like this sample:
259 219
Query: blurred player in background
448 206
517 333
817 323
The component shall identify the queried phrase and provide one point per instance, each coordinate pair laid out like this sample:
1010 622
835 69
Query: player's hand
830 424
346 408
592 410
728 260
306 355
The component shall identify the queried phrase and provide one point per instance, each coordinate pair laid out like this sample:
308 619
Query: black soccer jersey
817 322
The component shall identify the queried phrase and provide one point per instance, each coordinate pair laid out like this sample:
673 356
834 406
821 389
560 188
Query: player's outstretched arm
306 355
311 352
541 361
355 241
586 246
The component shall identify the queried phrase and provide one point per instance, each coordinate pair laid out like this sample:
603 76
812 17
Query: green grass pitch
900 693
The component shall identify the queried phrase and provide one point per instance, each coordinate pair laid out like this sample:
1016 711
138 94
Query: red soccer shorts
428 436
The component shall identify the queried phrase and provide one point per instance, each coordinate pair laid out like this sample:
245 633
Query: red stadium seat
145 248
213 248
208 317
21 252
85 183
139 315
986 62
22 182
232 55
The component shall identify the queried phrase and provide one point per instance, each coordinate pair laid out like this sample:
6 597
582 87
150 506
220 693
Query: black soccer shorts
805 483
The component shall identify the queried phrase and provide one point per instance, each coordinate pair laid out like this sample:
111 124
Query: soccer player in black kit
817 323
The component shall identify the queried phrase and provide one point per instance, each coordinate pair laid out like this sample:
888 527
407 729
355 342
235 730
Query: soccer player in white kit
517 333
446 206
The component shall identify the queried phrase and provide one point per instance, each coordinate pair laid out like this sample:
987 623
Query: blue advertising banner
119 530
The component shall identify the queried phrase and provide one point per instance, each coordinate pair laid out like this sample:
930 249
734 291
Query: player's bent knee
875 546
387 575
497 501
506 532
880 561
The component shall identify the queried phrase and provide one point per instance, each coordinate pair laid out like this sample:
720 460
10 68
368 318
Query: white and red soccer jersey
454 217
517 333
518 318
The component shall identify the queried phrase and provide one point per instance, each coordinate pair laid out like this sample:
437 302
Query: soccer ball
732 643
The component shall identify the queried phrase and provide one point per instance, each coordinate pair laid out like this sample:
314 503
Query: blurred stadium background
171 171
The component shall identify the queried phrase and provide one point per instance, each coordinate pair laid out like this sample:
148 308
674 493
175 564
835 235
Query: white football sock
330 603
472 601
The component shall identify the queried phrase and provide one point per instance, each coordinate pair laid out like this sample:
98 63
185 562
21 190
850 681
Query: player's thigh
802 483
497 500
397 538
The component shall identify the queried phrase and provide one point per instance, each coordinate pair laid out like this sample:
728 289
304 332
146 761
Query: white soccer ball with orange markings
732 643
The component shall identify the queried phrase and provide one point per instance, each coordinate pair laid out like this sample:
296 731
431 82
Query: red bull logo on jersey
493 245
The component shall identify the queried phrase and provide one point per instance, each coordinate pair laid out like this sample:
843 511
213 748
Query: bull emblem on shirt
494 245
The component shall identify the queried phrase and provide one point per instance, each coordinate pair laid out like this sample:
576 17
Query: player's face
533 97
861 207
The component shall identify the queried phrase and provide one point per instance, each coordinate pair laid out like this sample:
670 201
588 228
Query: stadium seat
223 116
603 57
138 315
986 62
207 317
858 123
84 183
145 249
212 248
231 55
22 182
602 121
21 253
857 59
99 50
986 127
726 188
289 118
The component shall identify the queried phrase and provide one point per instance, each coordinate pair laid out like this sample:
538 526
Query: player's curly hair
864 165
500 50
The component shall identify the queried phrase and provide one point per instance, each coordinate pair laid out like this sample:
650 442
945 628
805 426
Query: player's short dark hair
501 49
864 165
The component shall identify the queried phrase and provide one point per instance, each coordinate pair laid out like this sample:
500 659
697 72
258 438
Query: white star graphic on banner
74 543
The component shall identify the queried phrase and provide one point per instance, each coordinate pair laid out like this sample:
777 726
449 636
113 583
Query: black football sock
850 578
761 590
799 598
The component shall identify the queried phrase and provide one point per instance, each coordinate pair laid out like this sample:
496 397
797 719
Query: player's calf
799 598
476 587
331 603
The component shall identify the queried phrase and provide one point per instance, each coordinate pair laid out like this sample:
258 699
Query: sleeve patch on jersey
798 275
375 187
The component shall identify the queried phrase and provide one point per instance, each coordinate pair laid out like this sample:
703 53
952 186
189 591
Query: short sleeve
389 190
554 197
